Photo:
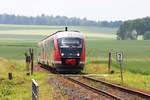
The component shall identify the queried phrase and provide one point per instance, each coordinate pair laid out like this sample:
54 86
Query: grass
88 29
16 39
20 87
136 53
31 32
15 49
135 80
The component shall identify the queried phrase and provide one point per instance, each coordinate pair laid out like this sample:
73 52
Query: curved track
101 87
112 91
126 91
95 90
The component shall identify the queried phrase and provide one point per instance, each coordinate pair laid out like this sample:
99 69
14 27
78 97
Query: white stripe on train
69 34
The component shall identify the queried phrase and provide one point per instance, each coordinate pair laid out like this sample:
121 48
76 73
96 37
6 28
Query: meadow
15 40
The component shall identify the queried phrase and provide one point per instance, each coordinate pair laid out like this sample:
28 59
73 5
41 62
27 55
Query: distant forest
131 29
54 20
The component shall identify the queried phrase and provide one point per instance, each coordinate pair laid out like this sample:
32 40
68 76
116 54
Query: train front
72 51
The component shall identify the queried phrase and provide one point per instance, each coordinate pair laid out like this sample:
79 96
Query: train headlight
62 54
78 54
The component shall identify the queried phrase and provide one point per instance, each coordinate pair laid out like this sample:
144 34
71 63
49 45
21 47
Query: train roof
69 34
61 34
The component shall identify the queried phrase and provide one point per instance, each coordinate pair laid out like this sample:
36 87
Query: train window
70 42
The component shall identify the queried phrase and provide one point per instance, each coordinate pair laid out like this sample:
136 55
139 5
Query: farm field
29 32
16 39
136 53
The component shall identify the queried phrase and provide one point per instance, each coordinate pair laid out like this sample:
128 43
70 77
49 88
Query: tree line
54 20
131 29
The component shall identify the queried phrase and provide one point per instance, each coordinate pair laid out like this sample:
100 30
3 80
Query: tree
132 28
54 20
146 35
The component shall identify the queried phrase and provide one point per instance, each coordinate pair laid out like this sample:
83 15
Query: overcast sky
91 9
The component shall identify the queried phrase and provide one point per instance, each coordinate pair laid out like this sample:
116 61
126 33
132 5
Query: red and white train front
69 51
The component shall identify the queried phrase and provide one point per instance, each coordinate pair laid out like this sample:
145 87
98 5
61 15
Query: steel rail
98 91
121 88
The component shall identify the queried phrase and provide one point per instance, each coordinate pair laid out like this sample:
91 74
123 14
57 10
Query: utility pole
109 62
32 59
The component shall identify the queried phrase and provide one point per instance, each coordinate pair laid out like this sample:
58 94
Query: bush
146 35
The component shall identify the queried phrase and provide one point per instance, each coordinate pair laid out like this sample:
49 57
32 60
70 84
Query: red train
63 50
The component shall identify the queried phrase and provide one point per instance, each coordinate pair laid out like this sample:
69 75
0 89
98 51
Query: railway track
95 90
109 90
137 95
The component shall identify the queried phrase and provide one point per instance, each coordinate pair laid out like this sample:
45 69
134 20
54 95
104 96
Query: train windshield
70 42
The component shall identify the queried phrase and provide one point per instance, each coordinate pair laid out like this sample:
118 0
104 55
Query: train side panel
46 52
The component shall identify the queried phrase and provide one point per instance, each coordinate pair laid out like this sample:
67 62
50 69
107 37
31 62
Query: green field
16 39
24 32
